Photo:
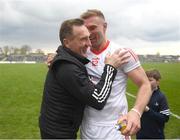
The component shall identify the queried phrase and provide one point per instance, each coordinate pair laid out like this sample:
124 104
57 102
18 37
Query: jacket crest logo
95 61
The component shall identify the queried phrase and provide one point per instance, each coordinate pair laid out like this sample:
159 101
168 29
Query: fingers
128 129
49 59
108 55
132 123
117 51
127 138
131 129
132 126
122 119
135 130
123 55
118 58
124 60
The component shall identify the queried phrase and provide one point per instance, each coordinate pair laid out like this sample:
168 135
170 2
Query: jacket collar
82 59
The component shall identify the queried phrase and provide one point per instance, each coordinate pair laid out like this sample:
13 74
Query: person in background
67 87
156 112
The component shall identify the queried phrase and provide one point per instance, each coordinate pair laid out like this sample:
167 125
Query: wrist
111 66
135 110
110 70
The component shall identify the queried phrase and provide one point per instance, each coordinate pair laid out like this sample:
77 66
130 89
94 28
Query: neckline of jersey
100 51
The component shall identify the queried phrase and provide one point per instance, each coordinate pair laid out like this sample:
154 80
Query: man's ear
66 42
105 25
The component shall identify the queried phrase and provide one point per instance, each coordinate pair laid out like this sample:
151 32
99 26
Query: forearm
143 96
76 82
138 76
102 89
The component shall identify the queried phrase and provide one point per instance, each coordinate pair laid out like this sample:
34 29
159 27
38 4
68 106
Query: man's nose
89 43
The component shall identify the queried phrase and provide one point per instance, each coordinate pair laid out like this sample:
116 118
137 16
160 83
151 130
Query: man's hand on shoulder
118 58
49 59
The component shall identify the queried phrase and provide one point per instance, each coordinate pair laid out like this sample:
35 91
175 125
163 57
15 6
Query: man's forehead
80 30
94 20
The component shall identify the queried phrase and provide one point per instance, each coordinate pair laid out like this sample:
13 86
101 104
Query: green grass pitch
21 87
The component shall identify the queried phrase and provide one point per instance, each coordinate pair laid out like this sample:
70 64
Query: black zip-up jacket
153 121
66 92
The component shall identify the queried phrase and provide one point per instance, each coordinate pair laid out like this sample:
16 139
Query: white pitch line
174 115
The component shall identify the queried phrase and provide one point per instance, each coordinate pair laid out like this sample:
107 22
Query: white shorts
89 131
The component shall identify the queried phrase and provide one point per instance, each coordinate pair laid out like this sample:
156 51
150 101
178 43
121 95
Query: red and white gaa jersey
117 103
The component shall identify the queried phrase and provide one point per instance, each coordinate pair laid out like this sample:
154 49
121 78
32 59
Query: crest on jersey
95 61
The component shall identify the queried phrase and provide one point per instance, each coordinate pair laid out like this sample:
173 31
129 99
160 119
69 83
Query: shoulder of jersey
116 46
133 55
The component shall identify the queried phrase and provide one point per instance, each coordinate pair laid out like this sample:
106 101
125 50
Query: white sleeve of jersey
133 62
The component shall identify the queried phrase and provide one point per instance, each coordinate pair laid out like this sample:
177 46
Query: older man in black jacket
67 87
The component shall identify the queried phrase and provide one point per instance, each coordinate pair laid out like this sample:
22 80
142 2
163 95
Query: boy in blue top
156 112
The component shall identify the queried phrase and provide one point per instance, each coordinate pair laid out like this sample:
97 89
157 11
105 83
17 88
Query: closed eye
91 28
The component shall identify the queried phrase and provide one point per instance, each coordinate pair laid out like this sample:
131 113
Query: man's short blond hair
91 13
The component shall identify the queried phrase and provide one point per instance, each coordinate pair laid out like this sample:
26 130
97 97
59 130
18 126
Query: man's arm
139 77
144 93
75 80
